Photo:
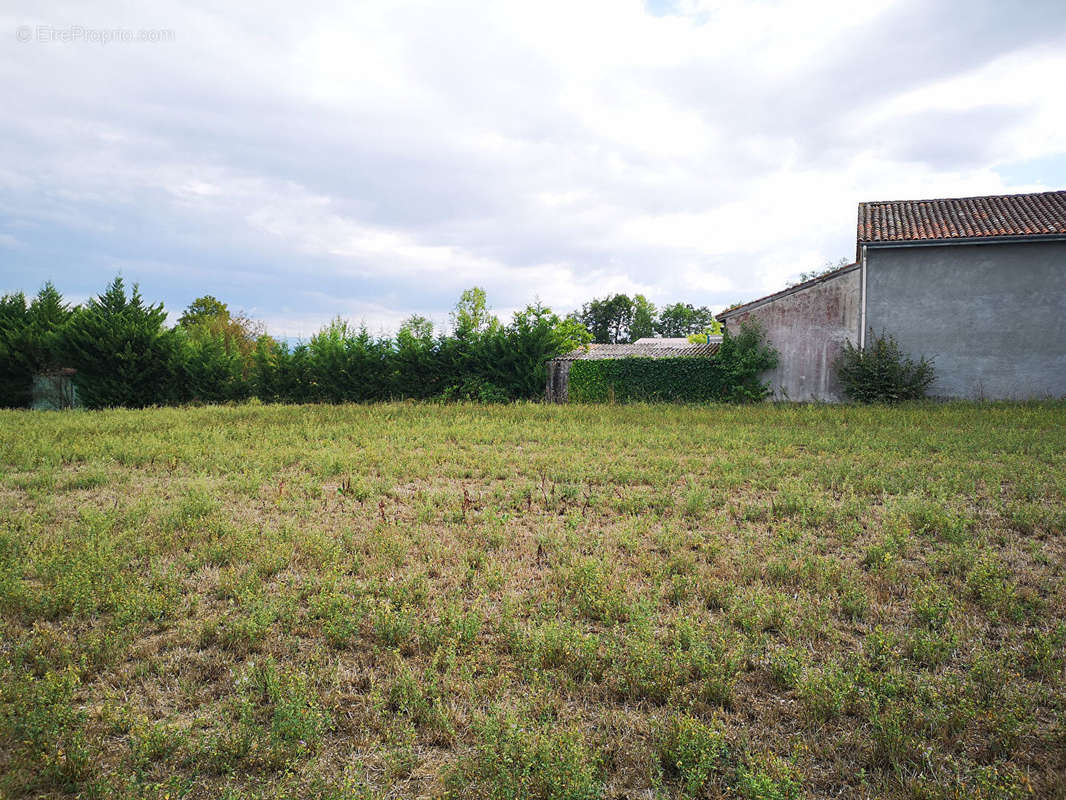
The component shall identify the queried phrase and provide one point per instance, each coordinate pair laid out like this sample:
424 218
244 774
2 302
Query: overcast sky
372 160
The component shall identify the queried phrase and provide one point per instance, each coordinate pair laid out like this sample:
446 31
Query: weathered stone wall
808 327
992 316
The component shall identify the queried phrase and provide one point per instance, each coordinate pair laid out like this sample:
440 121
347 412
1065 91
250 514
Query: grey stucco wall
808 327
992 316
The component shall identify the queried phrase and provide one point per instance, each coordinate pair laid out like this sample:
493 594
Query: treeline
619 319
126 354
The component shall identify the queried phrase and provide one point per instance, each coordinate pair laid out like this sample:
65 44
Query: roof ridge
596 351
1049 192
789 289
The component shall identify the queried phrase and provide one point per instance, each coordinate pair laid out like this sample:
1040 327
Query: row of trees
125 353
618 319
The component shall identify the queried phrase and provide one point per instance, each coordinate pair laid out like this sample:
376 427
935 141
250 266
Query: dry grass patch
534 602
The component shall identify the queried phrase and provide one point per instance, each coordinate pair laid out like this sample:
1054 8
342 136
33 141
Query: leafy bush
483 361
731 375
744 358
881 373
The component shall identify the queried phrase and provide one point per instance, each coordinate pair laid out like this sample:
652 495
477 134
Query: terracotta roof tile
1039 214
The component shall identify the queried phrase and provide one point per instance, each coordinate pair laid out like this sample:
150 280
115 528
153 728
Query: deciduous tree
681 319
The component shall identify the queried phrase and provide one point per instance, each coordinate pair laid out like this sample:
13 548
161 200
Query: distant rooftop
671 342
1041 214
597 352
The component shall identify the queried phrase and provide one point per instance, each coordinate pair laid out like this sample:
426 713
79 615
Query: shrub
881 373
126 355
692 753
14 376
743 359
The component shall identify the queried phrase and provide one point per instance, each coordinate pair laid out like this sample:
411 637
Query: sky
371 160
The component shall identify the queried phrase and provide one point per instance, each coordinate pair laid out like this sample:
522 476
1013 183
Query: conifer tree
122 350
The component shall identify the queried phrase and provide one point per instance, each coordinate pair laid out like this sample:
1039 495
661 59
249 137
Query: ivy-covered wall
694 380
732 375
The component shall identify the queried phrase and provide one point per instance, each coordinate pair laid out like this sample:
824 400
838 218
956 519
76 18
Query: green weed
300 601
521 759
693 754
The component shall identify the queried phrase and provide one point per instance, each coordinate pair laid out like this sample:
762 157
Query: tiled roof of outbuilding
1039 214
597 352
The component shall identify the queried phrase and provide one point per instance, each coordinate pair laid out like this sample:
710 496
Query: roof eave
1013 238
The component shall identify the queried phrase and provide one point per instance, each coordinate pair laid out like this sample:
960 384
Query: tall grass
533 601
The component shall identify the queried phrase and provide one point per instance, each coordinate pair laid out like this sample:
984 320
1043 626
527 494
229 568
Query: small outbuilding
557 388
54 390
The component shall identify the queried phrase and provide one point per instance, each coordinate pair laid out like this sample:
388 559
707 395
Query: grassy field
534 601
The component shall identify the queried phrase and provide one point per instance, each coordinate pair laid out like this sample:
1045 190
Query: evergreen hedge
123 351
125 354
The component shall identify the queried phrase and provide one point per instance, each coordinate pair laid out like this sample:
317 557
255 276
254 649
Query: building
977 284
557 388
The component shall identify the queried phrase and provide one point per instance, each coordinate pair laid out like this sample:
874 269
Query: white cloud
372 160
